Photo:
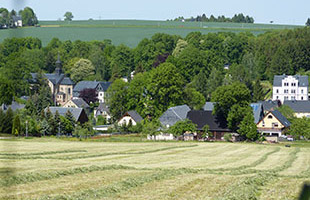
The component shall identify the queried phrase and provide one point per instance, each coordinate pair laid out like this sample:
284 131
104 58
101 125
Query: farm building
173 115
217 126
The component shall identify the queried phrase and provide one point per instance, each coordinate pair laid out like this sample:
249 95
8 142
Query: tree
117 98
68 16
228 95
248 128
57 123
258 94
82 69
300 127
194 99
181 45
182 127
89 95
8 121
286 111
308 22
164 89
2 119
29 17
236 115
200 83
16 129
214 81
69 116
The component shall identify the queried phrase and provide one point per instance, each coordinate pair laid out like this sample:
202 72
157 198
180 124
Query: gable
269 121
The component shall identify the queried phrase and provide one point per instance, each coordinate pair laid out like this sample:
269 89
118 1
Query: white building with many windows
290 88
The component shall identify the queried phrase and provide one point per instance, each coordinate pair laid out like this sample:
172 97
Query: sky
263 11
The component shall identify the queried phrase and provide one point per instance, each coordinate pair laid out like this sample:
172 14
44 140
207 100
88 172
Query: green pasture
128 32
48 168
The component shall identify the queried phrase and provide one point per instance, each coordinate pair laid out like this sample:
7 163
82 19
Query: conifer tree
258 94
8 121
16 126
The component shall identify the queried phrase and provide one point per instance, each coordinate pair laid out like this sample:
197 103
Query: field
128 32
58 169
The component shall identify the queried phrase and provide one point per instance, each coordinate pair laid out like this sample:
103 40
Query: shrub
228 137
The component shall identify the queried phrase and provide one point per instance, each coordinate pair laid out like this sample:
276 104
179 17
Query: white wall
287 92
125 120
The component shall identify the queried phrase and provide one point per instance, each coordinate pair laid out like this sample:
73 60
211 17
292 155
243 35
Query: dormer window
285 84
293 84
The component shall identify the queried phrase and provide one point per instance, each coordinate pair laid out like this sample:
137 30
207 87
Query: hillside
129 32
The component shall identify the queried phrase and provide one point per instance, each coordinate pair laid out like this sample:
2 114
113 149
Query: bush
228 137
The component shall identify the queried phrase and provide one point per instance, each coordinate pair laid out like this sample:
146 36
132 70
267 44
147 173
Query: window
263 124
69 90
286 98
302 91
285 91
302 98
293 84
285 84
270 117
293 91
61 89
277 97
277 91
292 97
275 125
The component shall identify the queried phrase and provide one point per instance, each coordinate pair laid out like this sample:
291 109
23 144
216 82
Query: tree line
27 15
237 18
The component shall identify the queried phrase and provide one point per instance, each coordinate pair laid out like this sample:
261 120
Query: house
17 21
79 114
173 115
76 102
102 110
273 124
14 106
217 125
290 88
258 111
100 87
270 105
300 108
130 116
60 85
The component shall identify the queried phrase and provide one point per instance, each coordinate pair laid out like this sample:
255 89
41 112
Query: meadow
49 168
129 32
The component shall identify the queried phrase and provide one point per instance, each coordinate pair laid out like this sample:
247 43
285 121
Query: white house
130 117
290 88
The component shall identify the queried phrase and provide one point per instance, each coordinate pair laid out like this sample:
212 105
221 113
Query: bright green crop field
128 32
49 168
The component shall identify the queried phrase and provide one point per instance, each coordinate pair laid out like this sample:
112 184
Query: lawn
129 32
50 168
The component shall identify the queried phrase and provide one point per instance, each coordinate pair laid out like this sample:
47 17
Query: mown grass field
128 32
58 169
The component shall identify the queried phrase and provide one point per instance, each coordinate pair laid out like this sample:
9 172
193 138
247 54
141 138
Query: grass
50 168
129 32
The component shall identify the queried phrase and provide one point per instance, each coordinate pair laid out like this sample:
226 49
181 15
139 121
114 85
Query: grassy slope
129 32
39 168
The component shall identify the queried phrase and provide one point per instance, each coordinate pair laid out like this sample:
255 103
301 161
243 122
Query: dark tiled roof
14 106
299 106
135 116
54 78
105 85
209 106
79 102
270 105
258 111
202 118
67 81
76 112
281 118
174 114
302 80
85 85
103 107
16 18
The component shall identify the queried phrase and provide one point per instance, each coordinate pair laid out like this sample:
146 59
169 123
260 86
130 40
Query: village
288 91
